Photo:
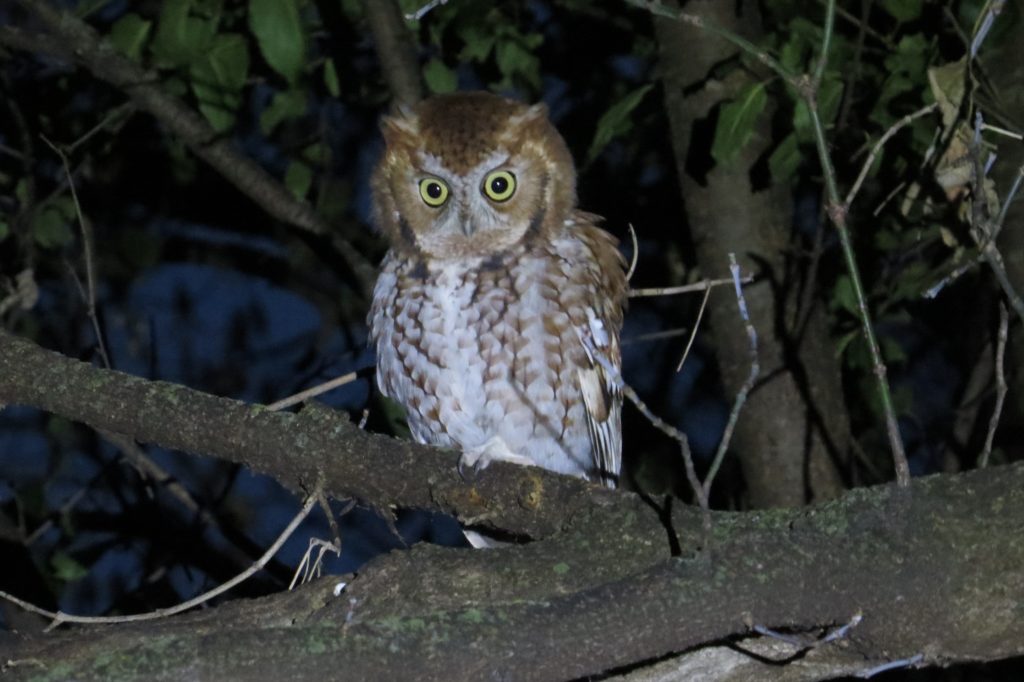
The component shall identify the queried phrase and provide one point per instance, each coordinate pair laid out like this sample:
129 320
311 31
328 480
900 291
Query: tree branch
939 573
395 50
293 448
70 38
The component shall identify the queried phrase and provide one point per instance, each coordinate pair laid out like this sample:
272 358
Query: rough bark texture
938 572
296 449
395 50
794 426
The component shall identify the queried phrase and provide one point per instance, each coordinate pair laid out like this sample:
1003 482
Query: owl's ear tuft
534 114
399 127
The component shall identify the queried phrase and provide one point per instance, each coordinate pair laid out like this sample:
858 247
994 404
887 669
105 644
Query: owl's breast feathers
486 347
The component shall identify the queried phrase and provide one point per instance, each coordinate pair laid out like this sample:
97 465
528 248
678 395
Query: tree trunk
793 429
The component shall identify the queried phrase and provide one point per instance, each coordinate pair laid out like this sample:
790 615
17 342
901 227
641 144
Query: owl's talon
492 450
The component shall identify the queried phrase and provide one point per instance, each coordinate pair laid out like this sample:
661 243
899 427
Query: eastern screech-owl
497 312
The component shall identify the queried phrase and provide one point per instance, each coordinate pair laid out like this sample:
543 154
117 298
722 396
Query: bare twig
310 568
60 617
892 665
837 211
119 114
425 9
1014 188
984 229
1004 325
615 376
703 285
984 24
748 385
636 253
312 392
88 245
893 129
696 326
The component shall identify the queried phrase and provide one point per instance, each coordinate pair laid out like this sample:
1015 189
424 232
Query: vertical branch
837 212
395 50
1004 326
748 385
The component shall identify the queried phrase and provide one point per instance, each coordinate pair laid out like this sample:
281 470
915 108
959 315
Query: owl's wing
602 396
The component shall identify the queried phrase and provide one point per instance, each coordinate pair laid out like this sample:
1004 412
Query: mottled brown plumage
492 279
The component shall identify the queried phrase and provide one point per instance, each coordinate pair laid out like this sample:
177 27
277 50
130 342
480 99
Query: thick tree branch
73 39
939 573
395 50
293 448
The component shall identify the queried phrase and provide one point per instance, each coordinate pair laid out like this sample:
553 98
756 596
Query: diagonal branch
293 448
71 38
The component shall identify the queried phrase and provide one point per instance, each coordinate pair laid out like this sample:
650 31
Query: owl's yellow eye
500 186
433 191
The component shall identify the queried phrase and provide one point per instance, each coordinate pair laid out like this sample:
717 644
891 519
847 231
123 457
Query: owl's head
471 174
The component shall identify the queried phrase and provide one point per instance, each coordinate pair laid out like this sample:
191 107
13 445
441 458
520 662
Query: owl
497 311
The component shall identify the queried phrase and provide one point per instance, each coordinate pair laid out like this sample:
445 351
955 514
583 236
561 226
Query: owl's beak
466 223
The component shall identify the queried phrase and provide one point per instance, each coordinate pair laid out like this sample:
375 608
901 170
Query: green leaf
129 34
50 228
180 38
66 568
280 34
439 78
736 123
21 191
892 351
5 229
477 44
331 78
298 178
616 121
515 58
902 10
830 94
218 77
844 295
284 105
785 160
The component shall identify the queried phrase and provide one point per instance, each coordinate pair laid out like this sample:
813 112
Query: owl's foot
494 449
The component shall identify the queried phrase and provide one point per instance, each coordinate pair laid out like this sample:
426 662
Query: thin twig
891 665
893 129
696 326
703 285
993 423
60 617
425 9
88 245
636 253
837 212
312 392
748 385
654 336
1014 188
983 228
826 43
615 376
126 110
